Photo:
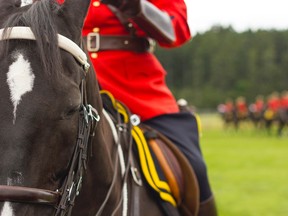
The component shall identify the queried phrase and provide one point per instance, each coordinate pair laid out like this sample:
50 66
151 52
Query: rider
284 100
121 36
241 107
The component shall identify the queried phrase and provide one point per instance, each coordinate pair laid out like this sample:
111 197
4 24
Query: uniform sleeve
178 12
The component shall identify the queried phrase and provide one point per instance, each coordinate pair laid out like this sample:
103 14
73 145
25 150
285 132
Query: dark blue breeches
181 128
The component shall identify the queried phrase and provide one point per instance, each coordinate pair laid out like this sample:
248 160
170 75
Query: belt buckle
93 42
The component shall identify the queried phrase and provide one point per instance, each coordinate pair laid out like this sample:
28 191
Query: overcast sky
241 15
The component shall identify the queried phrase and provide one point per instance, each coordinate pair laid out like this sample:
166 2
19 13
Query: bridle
63 198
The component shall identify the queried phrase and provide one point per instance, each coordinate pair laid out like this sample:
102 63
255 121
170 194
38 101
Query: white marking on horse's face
26 2
20 80
7 209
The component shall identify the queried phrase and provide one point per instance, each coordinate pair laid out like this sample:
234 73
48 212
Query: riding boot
208 207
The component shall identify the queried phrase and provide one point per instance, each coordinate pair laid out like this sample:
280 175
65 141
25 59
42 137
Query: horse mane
39 17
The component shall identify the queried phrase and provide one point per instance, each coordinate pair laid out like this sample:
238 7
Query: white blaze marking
20 80
7 208
26 2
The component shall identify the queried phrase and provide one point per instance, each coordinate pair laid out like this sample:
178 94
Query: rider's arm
165 21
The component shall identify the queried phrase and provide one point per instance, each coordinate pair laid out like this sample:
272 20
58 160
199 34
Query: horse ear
76 11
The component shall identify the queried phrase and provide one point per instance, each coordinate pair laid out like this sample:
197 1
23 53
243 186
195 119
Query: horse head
43 104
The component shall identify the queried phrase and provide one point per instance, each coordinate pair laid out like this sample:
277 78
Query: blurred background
234 75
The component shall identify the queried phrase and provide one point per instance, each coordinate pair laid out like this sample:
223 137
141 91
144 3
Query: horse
60 154
282 120
228 117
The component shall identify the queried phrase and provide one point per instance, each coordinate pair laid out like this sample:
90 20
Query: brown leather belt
95 42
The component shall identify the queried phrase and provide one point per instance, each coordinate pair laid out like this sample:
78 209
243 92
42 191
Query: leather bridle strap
28 195
87 123
23 32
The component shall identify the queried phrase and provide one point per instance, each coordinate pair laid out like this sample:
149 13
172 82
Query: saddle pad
182 181
149 168
179 186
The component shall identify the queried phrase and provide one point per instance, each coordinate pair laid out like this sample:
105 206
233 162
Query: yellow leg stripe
199 125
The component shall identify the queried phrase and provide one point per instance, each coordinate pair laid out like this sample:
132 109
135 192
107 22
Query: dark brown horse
55 152
283 120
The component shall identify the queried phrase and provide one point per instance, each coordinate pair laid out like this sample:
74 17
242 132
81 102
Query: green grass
248 169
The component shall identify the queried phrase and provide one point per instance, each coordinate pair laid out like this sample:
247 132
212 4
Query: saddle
164 167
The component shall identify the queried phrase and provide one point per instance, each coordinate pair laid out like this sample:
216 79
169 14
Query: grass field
248 169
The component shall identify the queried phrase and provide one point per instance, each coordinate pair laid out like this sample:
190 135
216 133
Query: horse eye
59 175
72 110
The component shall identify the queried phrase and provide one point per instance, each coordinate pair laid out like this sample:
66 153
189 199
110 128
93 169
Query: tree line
222 63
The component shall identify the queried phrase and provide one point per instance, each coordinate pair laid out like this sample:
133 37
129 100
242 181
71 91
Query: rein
28 195
62 199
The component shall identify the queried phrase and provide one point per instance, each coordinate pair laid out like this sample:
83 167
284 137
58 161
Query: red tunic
259 106
274 104
229 107
137 79
284 102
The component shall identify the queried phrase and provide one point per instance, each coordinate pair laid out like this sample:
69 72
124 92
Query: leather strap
96 42
28 195
135 189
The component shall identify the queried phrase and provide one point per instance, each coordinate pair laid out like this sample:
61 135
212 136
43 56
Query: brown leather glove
131 8
155 22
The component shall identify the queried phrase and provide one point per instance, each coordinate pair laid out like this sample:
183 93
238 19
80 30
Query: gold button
96 4
94 55
96 30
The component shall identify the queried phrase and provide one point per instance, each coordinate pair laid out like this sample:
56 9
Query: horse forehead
26 2
20 79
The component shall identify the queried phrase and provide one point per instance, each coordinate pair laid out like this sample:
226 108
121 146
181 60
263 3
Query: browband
23 32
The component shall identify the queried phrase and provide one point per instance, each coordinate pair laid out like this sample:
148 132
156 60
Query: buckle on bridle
93 42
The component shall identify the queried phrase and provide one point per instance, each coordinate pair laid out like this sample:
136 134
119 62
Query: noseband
63 198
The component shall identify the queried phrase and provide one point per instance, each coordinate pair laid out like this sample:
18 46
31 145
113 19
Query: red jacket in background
274 104
284 102
136 79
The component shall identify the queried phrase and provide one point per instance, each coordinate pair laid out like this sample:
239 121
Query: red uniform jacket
137 79
284 102
274 104
259 106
